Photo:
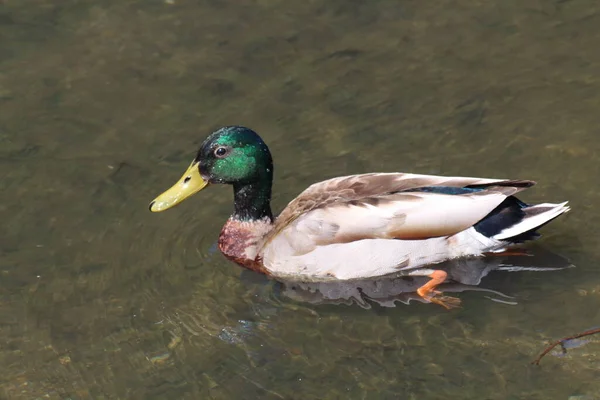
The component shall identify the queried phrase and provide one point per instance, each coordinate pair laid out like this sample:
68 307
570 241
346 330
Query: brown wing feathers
378 188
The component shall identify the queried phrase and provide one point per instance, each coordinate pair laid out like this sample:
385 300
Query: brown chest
238 241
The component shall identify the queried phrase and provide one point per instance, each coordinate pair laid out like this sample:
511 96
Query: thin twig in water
561 341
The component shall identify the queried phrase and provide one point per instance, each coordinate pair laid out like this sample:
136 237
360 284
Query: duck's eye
221 152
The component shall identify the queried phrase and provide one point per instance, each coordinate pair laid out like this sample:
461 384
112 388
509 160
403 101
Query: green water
102 105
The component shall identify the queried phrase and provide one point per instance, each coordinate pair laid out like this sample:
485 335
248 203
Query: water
103 104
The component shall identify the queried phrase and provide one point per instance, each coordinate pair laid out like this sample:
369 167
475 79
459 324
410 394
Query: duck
360 226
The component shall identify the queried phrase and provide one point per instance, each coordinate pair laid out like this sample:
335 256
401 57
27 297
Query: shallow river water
102 106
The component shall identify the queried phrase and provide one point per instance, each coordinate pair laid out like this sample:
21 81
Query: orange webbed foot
428 292
447 302
509 252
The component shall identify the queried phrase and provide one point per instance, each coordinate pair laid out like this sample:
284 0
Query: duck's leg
428 291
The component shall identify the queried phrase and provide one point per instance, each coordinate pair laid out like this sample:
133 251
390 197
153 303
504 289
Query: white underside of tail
533 221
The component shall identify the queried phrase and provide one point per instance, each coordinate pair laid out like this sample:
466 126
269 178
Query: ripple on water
184 238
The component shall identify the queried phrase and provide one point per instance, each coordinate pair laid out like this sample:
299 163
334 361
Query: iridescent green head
232 155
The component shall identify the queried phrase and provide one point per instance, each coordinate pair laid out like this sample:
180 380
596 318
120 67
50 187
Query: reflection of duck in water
464 274
358 226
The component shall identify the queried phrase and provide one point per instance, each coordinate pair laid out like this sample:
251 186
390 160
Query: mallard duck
358 226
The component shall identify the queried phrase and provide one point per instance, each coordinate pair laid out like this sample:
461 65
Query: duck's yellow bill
191 182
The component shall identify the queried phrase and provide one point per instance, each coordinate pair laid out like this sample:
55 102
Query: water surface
103 103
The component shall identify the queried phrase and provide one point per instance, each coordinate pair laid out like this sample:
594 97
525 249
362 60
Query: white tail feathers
535 216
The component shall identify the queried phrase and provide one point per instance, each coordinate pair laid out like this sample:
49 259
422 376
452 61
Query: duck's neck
252 201
250 222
